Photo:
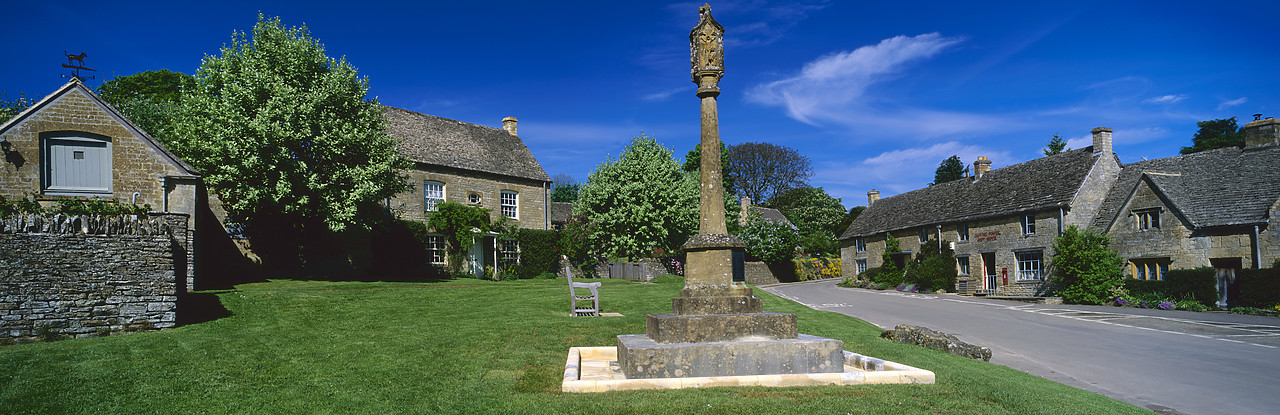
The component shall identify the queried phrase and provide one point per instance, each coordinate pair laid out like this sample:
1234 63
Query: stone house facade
1000 223
474 165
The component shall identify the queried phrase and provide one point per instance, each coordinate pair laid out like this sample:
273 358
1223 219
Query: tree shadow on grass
201 307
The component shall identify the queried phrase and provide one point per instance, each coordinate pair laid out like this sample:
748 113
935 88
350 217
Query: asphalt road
1172 362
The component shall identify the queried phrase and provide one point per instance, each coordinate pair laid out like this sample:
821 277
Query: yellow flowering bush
816 268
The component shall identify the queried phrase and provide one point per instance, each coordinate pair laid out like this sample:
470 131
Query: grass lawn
461 346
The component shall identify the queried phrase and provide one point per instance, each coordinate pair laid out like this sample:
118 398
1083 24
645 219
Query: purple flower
1121 301
1165 305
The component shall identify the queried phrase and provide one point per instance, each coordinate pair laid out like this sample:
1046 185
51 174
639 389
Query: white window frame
429 203
435 246
1029 224
508 252
859 244
510 201
962 265
68 139
962 232
861 265
1030 265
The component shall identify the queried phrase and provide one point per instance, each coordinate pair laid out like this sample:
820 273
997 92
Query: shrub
539 252
1084 267
1197 284
816 268
767 241
1258 288
96 206
24 206
933 268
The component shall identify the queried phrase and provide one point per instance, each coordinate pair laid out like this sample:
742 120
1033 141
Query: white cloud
1167 99
838 79
898 171
1231 103
663 95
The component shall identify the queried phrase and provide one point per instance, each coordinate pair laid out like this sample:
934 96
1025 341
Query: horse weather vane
76 62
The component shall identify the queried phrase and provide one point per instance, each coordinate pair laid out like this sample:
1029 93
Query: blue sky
876 94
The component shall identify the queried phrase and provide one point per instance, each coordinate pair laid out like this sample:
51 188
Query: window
508 253
509 204
77 163
860 245
435 249
924 235
432 195
862 265
1148 219
1150 269
473 198
963 231
1030 267
1029 225
962 262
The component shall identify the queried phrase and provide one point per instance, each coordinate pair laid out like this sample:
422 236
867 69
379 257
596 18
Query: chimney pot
509 124
1101 140
873 196
1262 132
981 167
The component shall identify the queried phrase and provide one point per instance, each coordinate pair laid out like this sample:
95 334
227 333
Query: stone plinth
639 357
671 328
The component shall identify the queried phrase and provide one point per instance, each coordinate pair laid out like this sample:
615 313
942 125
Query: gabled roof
433 140
772 215
1042 183
1222 187
75 85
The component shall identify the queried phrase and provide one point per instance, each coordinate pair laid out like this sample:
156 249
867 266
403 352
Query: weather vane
76 62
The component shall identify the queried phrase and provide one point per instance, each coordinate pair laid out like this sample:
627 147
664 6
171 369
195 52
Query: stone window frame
1147 219
474 198
859 244
861 265
510 204
427 187
962 232
1029 224
1030 264
1143 268
435 247
47 141
962 264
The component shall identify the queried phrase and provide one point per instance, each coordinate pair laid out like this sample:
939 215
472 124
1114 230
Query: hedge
1199 285
539 252
1259 288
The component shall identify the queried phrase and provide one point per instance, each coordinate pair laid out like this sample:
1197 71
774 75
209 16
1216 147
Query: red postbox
1004 272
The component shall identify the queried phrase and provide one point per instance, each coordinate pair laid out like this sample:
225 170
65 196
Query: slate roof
433 140
1222 187
772 215
1043 183
561 211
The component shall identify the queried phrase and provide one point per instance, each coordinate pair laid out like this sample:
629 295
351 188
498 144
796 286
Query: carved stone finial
706 52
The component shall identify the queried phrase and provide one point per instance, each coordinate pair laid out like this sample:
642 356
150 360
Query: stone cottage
474 165
1218 208
1002 222
92 275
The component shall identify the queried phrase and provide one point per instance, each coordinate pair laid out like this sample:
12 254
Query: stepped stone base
672 328
639 357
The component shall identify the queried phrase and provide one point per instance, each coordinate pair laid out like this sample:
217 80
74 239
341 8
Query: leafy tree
811 209
819 243
933 268
1056 145
282 131
11 108
565 189
149 99
768 241
762 170
1215 134
848 219
888 274
950 169
693 163
640 201
1084 267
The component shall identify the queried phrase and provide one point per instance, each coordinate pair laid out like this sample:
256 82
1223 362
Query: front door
1225 273
989 269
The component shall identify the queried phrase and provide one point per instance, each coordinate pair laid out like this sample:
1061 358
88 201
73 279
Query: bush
932 269
539 252
1197 284
1258 288
886 276
767 241
24 206
1084 267
816 268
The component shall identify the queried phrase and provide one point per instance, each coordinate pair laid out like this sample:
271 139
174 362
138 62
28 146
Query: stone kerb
84 276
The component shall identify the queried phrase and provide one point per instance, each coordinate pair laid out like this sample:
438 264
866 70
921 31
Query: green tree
1215 134
693 163
888 274
640 201
1055 145
811 209
934 267
149 99
282 131
762 170
565 189
767 241
1084 267
848 219
950 169
10 108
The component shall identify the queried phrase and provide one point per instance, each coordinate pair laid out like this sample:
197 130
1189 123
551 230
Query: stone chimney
1261 132
509 124
981 167
873 196
1101 140
745 209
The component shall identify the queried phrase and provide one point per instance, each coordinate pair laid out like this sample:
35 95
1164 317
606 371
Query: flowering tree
768 241
640 201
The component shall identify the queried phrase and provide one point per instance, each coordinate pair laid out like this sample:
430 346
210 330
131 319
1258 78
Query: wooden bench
576 294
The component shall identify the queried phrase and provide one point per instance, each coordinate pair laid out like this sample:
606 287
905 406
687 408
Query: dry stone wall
86 276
